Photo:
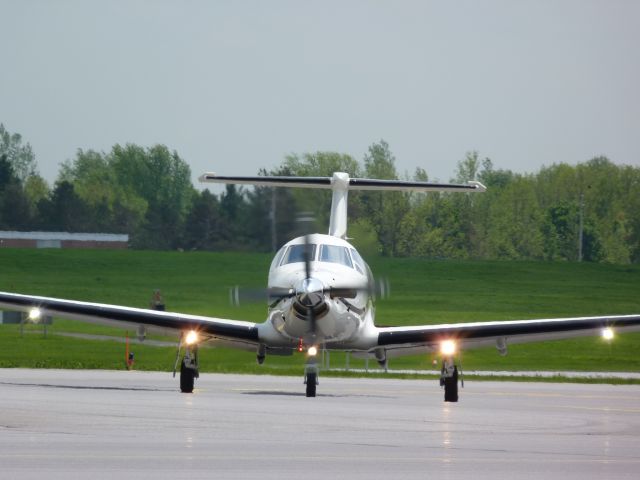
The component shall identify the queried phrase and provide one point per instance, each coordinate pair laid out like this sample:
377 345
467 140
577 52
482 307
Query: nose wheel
311 377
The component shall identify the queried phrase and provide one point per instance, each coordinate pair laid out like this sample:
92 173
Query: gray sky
236 85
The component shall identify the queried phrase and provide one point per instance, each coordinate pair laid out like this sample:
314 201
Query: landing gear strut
449 379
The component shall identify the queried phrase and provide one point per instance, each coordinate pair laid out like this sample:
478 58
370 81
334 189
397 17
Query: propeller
238 295
380 288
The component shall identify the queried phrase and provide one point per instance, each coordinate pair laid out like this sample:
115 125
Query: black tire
451 387
187 376
311 384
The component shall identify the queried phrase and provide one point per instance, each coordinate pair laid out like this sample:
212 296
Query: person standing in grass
157 302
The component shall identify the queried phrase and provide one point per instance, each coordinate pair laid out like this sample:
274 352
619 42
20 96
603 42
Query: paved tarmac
64 424
511 373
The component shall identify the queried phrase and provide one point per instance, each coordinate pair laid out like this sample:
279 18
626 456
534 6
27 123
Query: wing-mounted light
191 338
448 348
34 315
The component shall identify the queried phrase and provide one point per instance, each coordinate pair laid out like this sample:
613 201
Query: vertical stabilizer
338 220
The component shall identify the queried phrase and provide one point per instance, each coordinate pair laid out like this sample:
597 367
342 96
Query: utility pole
581 226
274 236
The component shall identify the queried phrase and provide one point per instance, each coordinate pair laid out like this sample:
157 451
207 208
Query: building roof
83 237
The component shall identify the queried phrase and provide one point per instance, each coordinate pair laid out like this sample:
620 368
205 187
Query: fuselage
330 301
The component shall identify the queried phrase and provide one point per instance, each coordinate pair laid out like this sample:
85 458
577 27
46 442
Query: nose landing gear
311 371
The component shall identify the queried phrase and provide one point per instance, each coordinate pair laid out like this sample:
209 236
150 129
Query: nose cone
308 286
309 299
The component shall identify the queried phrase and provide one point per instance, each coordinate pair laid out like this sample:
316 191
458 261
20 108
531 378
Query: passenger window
335 254
296 253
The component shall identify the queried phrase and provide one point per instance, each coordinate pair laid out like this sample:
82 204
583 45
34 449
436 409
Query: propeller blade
380 288
238 295
344 292
312 323
307 257
307 271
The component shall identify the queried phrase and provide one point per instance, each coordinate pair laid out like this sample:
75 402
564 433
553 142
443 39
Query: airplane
321 296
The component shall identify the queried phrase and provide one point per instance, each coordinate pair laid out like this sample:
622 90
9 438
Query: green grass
423 292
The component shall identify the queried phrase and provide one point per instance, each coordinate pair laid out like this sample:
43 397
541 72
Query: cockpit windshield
296 253
278 258
326 253
335 254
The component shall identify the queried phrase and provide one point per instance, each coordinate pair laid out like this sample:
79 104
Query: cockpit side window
296 253
335 254
276 260
358 261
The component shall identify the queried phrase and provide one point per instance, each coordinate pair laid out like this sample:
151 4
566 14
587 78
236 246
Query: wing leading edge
477 334
117 315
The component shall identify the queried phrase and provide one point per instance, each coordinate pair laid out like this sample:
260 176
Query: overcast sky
236 85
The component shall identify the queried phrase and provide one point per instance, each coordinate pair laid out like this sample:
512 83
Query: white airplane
321 296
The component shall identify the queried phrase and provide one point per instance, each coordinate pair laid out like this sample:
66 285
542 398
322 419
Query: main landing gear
189 370
188 367
449 379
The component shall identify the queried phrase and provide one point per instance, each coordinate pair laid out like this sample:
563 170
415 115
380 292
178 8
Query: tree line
590 211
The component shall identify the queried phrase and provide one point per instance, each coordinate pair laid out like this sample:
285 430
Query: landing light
607 333
34 314
312 351
191 338
448 348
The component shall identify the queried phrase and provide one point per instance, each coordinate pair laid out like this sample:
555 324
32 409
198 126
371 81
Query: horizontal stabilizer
304 182
340 183
354 183
402 185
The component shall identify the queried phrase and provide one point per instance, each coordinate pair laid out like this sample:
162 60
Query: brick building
62 240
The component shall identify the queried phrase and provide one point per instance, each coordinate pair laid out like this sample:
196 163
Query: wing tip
478 186
207 177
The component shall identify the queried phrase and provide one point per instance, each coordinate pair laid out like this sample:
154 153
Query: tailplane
340 183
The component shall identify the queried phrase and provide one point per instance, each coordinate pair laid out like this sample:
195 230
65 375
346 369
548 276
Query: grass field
423 292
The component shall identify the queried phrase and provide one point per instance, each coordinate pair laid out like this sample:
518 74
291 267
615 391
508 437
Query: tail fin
340 183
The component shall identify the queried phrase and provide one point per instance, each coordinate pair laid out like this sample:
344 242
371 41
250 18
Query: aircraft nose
309 286
309 298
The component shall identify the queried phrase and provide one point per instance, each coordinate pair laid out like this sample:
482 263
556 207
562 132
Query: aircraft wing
116 315
501 333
